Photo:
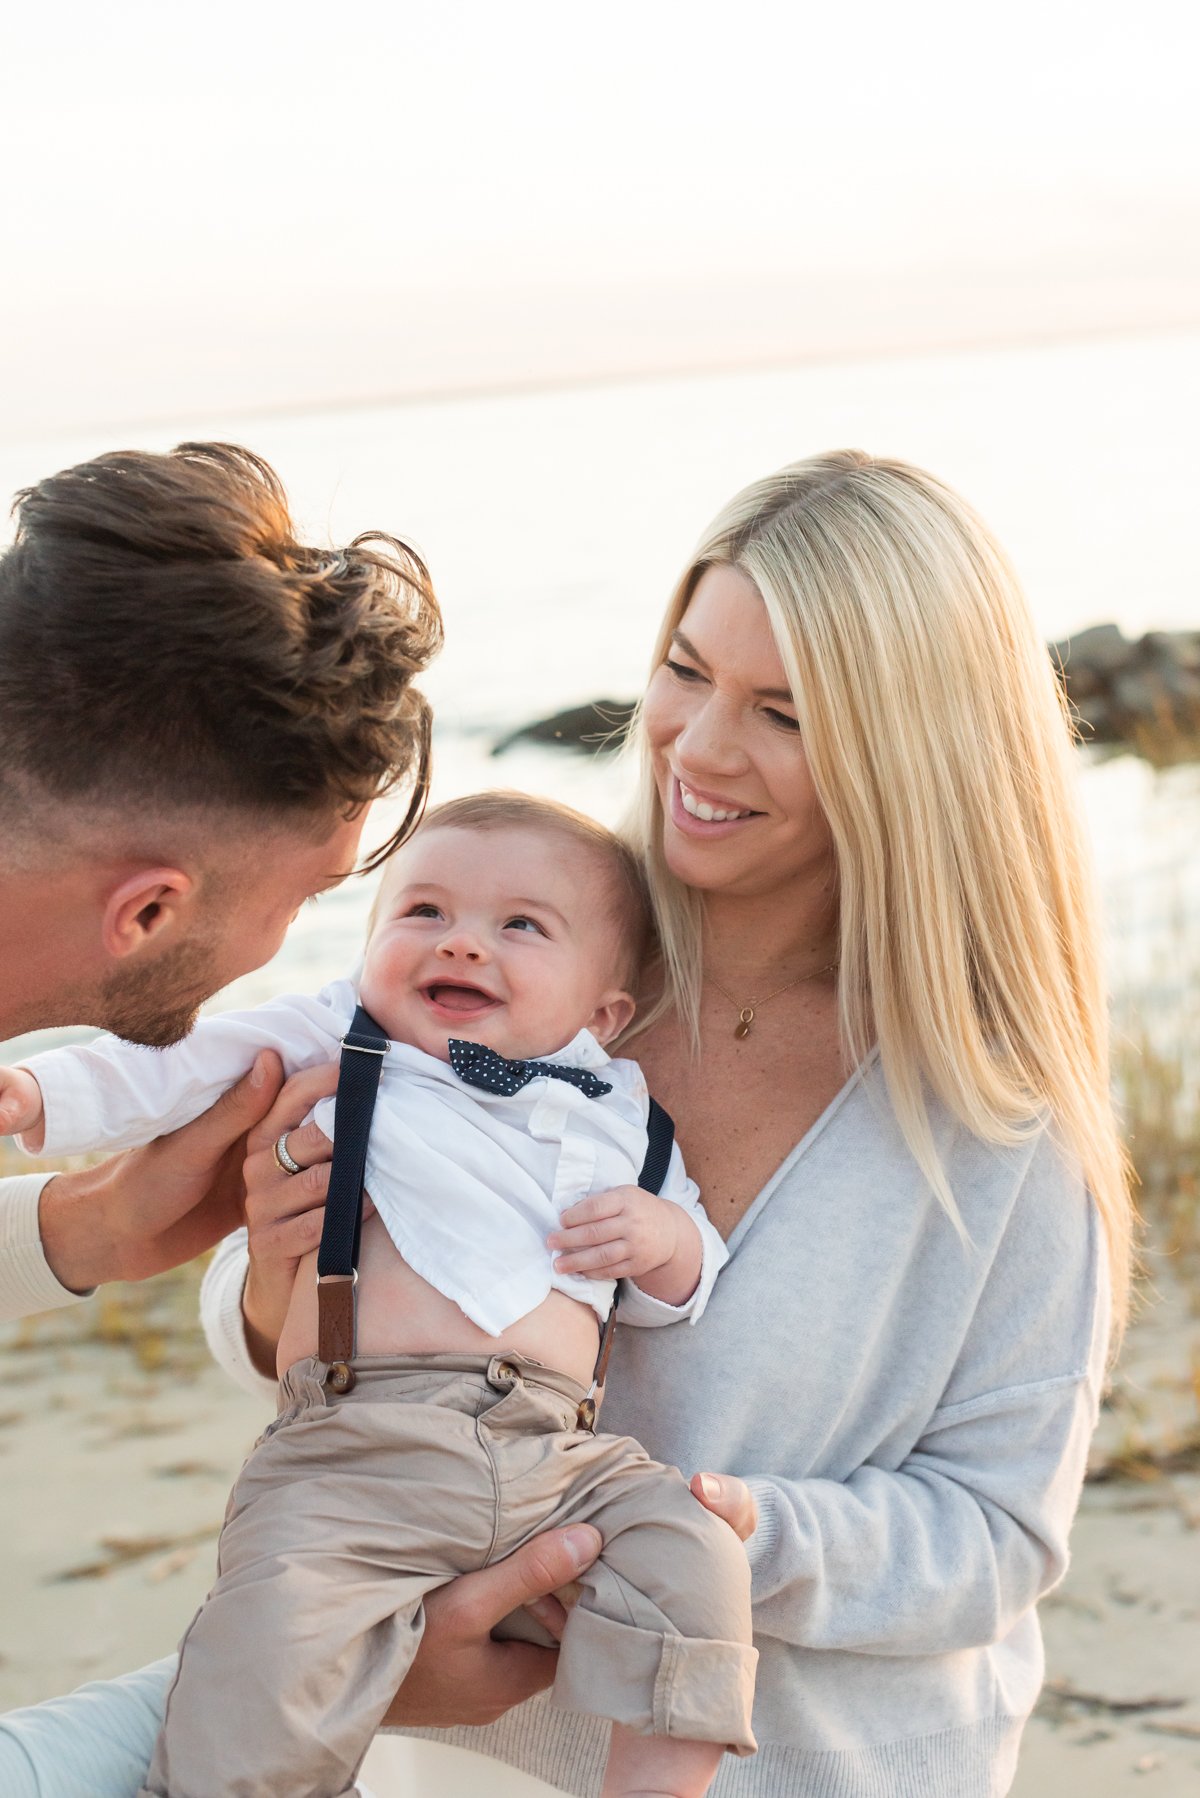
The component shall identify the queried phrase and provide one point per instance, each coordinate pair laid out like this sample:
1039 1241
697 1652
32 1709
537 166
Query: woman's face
739 806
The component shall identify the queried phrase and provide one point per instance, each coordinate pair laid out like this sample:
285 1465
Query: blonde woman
879 1022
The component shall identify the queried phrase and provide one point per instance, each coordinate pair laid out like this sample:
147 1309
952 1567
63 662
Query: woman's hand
460 1675
728 1498
285 1213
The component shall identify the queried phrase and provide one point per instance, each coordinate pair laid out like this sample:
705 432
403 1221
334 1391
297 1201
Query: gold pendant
745 1020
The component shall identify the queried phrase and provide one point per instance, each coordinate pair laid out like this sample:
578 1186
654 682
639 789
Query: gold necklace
745 1023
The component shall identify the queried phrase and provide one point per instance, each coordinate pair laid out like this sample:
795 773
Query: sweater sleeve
944 1551
27 1285
221 1315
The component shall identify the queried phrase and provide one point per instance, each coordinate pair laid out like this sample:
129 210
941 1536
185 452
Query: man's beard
156 1004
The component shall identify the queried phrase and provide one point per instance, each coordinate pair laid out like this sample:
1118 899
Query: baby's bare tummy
399 1313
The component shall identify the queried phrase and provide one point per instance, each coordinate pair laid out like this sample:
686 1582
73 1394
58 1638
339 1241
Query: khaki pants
350 1509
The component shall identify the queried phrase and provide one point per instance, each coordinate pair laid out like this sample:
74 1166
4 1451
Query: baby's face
496 936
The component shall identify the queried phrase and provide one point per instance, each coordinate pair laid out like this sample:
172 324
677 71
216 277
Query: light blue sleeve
948 1549
94 1743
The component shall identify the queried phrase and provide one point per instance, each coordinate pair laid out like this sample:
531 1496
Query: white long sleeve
222 1317
109 1094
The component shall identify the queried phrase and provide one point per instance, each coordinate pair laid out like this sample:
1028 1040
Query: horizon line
510 387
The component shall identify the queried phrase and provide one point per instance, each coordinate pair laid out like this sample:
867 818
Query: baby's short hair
629 899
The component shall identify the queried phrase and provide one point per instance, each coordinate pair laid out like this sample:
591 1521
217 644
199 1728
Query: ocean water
555 524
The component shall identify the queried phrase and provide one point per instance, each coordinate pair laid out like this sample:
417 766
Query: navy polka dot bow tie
480 1066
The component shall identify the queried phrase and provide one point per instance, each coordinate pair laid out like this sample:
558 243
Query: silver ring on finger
287 1164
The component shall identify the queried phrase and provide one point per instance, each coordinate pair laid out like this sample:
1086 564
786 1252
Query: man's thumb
249 1100
551 1560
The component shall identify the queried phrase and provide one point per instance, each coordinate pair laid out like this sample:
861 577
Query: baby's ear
611 1016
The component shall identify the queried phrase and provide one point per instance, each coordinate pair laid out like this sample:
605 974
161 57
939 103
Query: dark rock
1172 649
1139 693
1102 648
600 725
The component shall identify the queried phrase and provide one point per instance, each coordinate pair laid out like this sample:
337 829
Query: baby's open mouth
456 997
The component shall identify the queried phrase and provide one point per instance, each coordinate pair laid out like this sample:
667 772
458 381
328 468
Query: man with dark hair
196 711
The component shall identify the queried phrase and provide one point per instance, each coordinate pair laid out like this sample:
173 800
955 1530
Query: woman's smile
696 814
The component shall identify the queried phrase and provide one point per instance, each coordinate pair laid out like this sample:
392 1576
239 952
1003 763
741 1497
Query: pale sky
272 183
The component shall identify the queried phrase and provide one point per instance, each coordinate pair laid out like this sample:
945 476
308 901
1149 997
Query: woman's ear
142 907
610 1017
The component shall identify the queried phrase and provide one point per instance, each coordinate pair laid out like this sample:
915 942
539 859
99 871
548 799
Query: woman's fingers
306 1143
272 1197
292 1238
730 1499
295 1101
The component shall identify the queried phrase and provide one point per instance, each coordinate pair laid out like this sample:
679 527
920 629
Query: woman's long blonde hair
940 745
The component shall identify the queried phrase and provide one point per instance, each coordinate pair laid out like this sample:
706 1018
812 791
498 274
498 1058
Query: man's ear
610 1017
142 907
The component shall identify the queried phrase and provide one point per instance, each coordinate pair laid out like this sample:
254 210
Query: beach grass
1160 1112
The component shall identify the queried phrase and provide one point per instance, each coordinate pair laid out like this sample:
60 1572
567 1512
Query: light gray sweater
913 1417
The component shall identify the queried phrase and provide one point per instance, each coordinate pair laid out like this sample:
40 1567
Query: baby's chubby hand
21 1107
621 1234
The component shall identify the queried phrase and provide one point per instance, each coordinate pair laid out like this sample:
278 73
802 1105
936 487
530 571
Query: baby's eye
521 922
423 910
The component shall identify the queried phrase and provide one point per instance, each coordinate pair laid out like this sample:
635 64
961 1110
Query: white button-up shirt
469 1184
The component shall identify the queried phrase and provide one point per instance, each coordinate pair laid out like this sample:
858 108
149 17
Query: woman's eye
781 718
681 671
523 923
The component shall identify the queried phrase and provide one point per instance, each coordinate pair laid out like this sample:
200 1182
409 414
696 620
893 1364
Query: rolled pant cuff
657 1684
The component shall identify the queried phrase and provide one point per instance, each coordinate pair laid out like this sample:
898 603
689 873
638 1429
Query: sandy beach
118 1441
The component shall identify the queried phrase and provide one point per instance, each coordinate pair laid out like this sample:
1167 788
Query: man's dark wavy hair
165 638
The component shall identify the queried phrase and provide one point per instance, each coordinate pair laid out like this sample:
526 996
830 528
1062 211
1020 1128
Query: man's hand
628 1234
21 1110
460 1675
152 1208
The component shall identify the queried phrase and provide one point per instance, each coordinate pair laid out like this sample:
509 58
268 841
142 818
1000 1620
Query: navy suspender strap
363 1049
660 1132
